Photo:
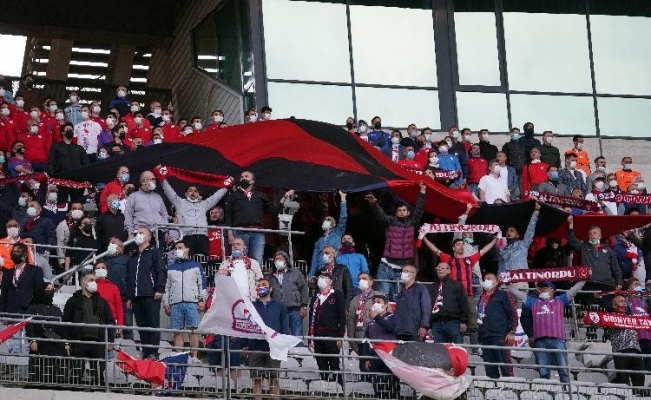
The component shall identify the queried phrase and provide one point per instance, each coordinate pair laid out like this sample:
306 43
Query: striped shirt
461 269
548 316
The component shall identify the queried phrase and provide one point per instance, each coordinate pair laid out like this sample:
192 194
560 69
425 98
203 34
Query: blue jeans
254 243
384 272
295 322
128 321
233 357
16 344
545 359
447 332
476 286
474 188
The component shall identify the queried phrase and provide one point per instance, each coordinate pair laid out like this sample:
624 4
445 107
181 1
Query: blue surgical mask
263 291
511 240
516 136
115 204
554 175
2 159
237 253
125 177
469 240
639 288
411 154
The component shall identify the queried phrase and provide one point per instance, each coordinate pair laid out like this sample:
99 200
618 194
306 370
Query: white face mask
635 192
91 286
139 239
22 201
13 231
179 253
76 214
266 116
60 116
101 273
167 118
326 259
548 139
157 141
52 197
640 185
628 167
572 165
20 103
187 131
5 112
253 118
53 108
487 285
84 115
599 185
404 276
579 146
122 93
363 284
279 264
377 308
34 114
455 134
197 126
134 109
545 296
73 99
138 120
395 140
218 119
322 283
97 109
152 185
112 248
433 160
31 211
612 183
110 122
326 225
33 129
362 129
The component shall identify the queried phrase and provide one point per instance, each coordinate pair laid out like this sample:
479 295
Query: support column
59 59
120 64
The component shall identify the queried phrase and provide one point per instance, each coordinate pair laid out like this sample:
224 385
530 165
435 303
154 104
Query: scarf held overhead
450 228
618 321
546 274
196 177
567 201
42 177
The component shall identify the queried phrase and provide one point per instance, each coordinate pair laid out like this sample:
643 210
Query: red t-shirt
461 269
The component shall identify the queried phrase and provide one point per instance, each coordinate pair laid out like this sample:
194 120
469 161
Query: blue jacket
117 273
380 139
122 104
625 263
449 162
514 256
459 150
274 314
146 273
500 316
356 264
413 309
186 282
331 238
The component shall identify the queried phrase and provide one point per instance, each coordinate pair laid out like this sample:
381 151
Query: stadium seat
547 385
190 382
594 377
309 363
114 375
291 363
604 397
360 390
474 394
617 389
406 391
526 373
531 395
588 387
325 388
210 383
483 382
293 387
566 396
500 394
513 383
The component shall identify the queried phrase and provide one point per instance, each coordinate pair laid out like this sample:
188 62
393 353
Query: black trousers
69 195
629 363
198 244
146 311
80 352
327 363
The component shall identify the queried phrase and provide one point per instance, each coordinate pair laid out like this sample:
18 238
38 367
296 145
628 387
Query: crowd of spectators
350 239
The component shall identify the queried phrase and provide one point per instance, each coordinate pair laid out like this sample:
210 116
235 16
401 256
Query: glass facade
577 67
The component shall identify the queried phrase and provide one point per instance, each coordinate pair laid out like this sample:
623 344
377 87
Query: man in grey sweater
192 210
144 207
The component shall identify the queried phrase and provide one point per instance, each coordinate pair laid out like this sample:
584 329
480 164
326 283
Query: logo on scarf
594 317
242 321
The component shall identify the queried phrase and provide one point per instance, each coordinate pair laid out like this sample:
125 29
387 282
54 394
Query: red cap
458 358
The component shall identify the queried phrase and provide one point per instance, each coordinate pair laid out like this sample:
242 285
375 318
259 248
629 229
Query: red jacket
143 132
101 121
212 128
113 187
171 133
412 165
37 147
8 131
131 122
20 117
422 156
477 168
110 292
533 175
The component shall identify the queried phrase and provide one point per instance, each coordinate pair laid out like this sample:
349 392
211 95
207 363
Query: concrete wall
172 67
33 394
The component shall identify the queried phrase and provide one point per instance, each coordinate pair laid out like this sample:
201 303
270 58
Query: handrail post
106 342
226 371
343 370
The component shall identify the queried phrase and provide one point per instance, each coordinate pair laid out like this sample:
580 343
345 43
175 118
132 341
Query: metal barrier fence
590 367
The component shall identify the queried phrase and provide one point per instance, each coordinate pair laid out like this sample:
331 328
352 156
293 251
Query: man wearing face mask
63 229
155 117
528 140
535 172
597 194
115 187
191 211
456 148
582 158
216 119
377 137
450 315
362 130
380 327
87 134
7 243
350 125
450 161
327 319
341 279
116 262
332 234
245 208
627 175
572 177
552 185
120 140
244 270
409 162
289 287
18 287
185 296
120 102
477 169
81 237
487 150
274 315
86 306
36 141
491 187
498 320
358 316
355 262
8 127
140 129
599 171
40 228
549 326
548 153
145 207
110 223
413 307
516 154
109 291
65 156
145 282
73 111
31 96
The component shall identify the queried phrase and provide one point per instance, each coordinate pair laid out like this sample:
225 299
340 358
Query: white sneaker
195 360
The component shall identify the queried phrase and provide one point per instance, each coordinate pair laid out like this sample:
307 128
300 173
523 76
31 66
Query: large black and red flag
311 156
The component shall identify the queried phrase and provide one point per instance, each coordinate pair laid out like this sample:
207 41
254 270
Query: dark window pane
205 45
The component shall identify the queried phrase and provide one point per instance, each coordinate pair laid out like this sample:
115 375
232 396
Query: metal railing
590 371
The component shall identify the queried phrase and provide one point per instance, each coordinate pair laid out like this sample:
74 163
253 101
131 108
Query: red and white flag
148 370
12 330
232 314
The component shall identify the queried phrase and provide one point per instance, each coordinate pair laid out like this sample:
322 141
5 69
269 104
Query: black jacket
64 157
341 281
240 211
17 299
455 302
330 316
516 156
110 225
73 312
501 316
529 142
146 273
487 151
50 313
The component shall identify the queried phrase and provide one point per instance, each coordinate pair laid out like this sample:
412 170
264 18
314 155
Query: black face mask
20 150
349 125
347 245
528 131
69 134
48 297
377 125
122 135
244 183
17 258
87 228
29 84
